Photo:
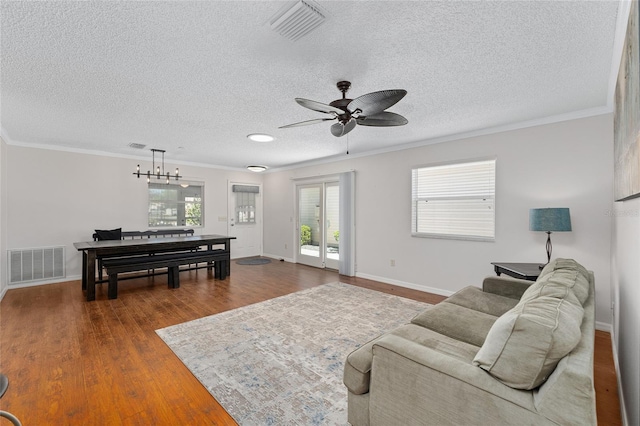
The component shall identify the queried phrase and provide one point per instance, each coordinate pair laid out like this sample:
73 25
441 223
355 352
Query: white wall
3 218
566 164
625 278
58 198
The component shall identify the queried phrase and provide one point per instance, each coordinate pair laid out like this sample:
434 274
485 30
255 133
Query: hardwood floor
101 363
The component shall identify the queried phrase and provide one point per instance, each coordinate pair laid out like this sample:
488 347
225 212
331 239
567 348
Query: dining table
91 250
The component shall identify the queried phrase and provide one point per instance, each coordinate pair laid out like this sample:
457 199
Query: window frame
489 197
156 185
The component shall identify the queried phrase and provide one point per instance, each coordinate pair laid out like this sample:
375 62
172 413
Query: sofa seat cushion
455 321
525 344
478 300
357 369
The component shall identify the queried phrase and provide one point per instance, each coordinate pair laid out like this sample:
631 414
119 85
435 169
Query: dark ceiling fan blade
306 123
318 106
340 129
382 119
375 102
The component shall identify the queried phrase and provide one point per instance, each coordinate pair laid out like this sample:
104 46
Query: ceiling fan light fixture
366 110
257 169
260 137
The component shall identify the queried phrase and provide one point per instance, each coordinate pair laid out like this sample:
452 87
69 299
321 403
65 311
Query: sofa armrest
409 381
506 286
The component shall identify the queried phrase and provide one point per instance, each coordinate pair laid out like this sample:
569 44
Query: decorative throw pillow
111 234
525 344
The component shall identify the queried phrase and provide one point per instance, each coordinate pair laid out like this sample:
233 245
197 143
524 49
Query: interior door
244 219
317 225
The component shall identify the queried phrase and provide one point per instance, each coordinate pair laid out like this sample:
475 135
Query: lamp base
549 247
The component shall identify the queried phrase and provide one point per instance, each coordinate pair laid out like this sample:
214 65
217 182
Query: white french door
318 232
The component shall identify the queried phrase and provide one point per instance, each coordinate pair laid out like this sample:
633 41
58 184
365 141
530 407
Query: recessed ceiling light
257 169
260 137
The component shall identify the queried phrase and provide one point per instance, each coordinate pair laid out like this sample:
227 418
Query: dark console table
524 271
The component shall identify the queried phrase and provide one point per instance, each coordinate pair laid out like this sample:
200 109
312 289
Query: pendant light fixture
158 171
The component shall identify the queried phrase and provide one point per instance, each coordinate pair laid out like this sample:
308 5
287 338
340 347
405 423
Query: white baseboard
412 286
273 256
603 326
45 282
623 408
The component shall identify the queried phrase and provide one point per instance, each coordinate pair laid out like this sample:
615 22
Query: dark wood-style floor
72 362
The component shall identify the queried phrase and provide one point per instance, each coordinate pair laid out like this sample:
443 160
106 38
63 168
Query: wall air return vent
296 20
36 264
136 145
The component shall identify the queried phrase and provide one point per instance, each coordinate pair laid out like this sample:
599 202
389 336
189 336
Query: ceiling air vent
136 145
297 20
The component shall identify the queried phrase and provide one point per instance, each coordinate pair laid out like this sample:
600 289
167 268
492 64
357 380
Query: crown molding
575 115
11 142
618 44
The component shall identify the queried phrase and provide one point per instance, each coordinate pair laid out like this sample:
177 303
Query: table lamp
549 220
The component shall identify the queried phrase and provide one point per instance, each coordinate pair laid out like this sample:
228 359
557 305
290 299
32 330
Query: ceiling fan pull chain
347 143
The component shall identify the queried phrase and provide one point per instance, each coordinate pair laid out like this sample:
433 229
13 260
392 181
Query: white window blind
454 201
245 207
245 210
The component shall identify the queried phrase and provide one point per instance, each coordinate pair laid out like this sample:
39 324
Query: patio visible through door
318 224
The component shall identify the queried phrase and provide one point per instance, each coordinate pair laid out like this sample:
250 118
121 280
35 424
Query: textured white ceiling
194 78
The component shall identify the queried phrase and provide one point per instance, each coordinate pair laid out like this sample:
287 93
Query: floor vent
35 264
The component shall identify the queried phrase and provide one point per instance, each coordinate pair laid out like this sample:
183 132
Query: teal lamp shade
550 220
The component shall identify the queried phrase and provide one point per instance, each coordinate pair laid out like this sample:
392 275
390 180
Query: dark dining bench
172 261
134 235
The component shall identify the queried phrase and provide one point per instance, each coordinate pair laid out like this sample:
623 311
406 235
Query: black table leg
91 275
84 270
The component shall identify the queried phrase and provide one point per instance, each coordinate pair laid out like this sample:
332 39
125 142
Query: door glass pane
309 220
245 208
332 219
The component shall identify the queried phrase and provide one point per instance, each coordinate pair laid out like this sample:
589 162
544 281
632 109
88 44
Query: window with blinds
176 205
454 201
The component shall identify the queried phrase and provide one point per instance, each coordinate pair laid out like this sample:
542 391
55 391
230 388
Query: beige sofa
513 352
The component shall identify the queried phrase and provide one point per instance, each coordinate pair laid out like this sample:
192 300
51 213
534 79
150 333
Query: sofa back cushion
457 322
525 344
559 274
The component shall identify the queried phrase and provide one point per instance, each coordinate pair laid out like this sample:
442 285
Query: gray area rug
280 362
253 261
